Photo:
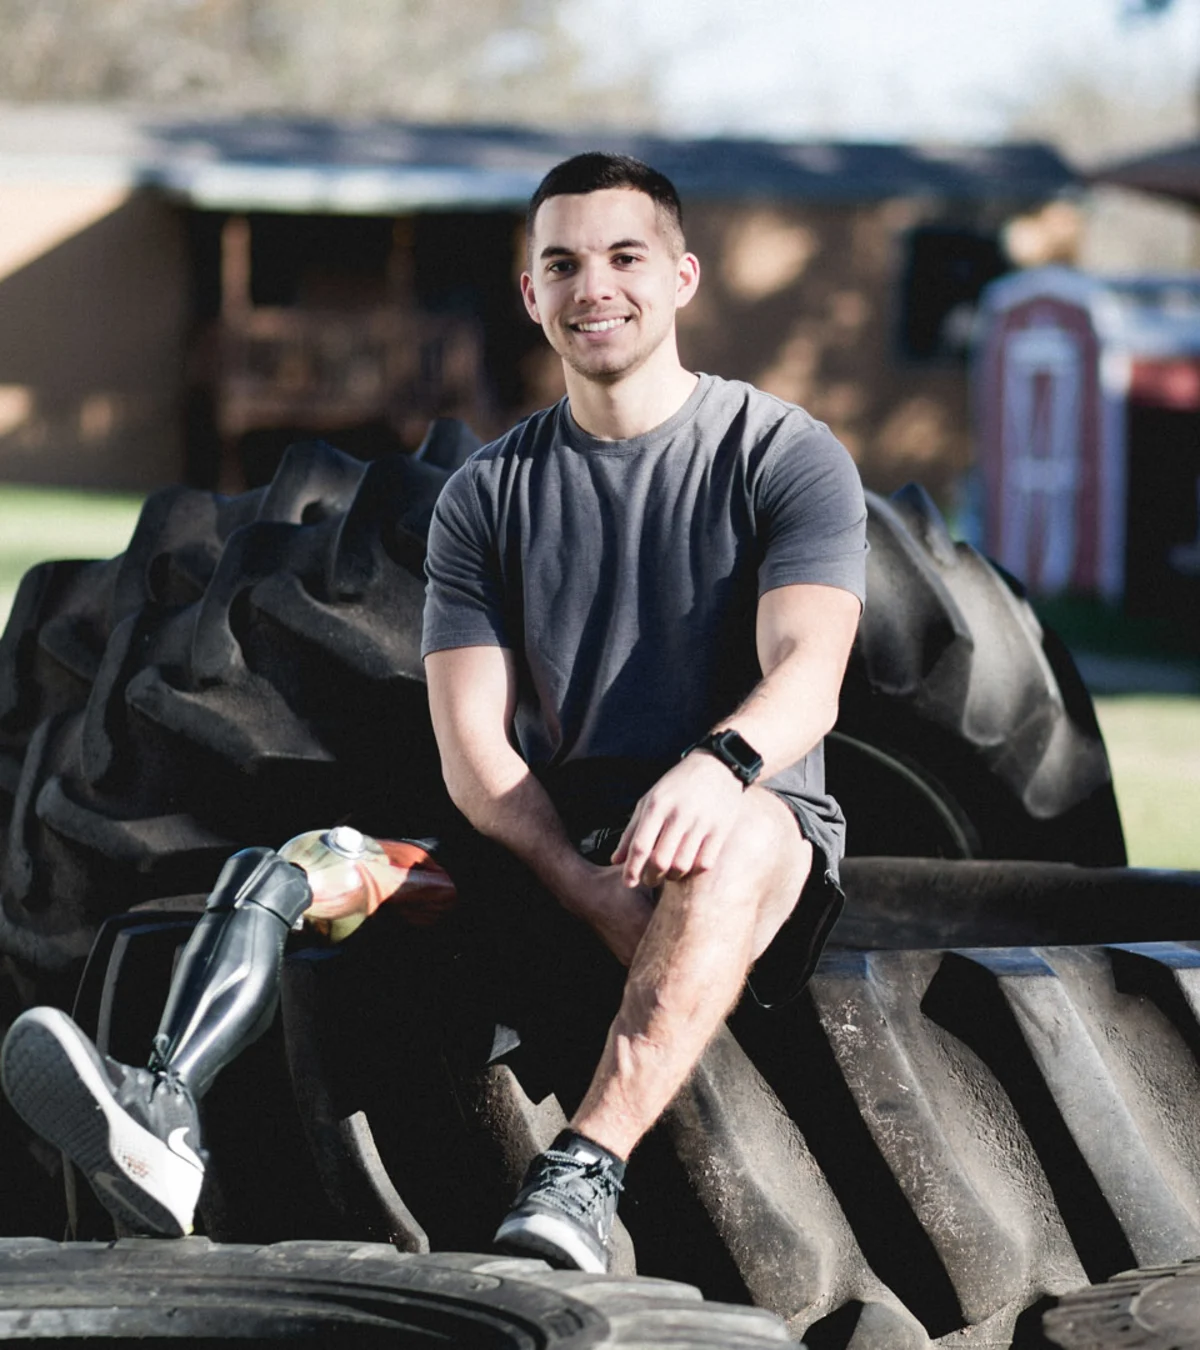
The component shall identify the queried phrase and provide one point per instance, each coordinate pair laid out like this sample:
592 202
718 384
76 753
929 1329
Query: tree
495 60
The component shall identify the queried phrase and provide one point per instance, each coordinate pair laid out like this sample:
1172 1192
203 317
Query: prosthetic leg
226 986
135 1132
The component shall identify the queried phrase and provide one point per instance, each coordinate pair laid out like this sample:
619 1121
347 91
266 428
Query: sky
883 69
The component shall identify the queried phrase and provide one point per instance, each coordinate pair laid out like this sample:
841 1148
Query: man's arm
472 696
804 634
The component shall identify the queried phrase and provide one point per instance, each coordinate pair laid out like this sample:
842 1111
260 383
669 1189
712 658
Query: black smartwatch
734 751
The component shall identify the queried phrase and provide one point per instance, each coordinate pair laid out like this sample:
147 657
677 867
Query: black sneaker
564 1212
132 1132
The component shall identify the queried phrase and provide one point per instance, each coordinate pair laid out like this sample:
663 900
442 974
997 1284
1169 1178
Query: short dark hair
597 170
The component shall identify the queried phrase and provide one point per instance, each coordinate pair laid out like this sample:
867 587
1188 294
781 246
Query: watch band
734 751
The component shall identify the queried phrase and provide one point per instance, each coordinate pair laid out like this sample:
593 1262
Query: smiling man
640 606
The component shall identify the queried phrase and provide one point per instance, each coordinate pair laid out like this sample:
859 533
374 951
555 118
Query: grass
1153 740
1154 749
41 523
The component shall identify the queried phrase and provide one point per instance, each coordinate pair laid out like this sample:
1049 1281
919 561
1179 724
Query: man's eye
562 265
625 259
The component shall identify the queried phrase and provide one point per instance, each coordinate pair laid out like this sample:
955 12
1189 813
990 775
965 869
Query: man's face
605 281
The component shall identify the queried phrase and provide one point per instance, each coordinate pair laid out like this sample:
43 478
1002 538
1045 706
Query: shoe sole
550 1238
59 1090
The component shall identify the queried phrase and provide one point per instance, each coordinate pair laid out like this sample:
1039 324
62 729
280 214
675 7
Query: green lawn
40 523
1154 749
1153 741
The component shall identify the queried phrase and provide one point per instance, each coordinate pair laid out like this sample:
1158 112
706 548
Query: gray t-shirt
624 575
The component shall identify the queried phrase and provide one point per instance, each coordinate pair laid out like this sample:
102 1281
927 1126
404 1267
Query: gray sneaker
564 1212
133 1133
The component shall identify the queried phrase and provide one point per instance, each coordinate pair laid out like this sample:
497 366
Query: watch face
740 752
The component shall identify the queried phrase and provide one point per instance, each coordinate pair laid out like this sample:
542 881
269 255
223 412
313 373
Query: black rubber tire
965 730
249 668
1151 1309
906 1155
142 1292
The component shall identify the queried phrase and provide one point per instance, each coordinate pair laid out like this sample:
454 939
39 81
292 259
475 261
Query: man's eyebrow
561 251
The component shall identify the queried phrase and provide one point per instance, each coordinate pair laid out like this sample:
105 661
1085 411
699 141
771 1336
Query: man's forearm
472 696
804 635
510 806
784 716
518 814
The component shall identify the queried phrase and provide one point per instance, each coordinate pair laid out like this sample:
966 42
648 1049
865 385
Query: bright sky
882 69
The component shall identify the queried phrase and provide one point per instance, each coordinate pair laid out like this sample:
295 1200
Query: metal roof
376 167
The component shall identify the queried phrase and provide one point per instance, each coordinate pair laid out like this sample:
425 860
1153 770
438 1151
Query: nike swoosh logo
176 1142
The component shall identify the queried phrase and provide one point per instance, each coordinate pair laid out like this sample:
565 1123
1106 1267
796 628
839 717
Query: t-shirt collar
578 439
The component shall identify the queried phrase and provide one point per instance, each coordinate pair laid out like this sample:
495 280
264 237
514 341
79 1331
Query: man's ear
687 279
529 298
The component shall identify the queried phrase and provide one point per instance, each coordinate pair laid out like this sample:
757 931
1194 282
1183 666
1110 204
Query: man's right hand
617 913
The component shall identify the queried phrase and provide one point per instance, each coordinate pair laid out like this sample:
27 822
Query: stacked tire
195 1293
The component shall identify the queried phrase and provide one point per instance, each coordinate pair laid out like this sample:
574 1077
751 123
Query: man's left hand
681 824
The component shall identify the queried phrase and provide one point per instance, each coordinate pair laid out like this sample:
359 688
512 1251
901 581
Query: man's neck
629 407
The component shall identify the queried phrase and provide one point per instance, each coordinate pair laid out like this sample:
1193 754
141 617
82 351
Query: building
180 296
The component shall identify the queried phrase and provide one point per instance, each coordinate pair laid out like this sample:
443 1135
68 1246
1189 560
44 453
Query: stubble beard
605 367
608 372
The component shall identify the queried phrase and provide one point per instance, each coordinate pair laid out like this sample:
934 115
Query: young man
640 606
641 602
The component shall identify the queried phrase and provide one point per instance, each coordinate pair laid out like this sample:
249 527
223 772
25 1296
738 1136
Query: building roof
377 167
1171 172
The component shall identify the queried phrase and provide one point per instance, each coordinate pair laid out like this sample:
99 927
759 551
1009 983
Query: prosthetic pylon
226 986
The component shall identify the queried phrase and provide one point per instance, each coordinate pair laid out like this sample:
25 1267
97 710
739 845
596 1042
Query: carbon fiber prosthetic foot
135 1132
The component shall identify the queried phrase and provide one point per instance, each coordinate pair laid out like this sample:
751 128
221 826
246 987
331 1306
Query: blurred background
967 236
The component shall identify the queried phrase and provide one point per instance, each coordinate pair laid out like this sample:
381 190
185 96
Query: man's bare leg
690 969
685 977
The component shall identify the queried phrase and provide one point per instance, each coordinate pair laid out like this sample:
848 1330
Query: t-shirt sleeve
463 604
813 515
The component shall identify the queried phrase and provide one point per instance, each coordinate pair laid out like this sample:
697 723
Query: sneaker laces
597 1176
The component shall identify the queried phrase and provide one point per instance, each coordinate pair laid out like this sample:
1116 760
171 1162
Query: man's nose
593 281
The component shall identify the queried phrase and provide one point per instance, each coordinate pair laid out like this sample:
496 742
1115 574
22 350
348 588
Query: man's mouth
599 325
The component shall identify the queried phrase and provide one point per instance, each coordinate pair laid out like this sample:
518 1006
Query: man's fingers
671 834
686 856
622 848
639 848
664 855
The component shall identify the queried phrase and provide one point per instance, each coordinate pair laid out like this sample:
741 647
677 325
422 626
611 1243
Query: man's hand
614 911
681 824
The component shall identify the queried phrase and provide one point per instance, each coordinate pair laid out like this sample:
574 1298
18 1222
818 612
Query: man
641 602
640 607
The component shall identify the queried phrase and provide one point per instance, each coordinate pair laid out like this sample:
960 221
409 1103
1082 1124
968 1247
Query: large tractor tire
965 729
249 668
924 1149
1151 1309
192 1292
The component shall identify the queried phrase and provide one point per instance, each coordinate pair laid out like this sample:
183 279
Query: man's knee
768 849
